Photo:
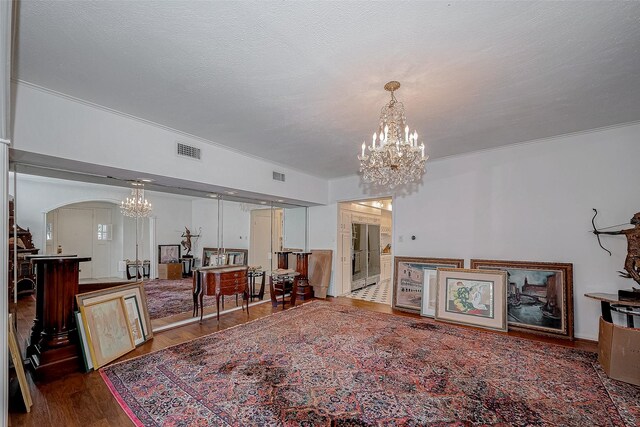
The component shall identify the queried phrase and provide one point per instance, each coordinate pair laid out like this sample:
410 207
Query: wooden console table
219 281
605 305
53 344
253 274
134 267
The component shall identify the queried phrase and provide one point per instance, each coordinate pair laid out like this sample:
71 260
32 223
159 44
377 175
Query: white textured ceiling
301 83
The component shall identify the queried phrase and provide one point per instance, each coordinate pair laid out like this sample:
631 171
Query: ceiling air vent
190 151
278 176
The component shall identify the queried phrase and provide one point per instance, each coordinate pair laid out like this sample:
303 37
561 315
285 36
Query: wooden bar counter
53 344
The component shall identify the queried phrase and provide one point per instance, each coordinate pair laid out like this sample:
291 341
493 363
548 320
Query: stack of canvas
112 322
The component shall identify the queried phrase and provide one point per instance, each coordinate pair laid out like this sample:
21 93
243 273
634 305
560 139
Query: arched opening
94 229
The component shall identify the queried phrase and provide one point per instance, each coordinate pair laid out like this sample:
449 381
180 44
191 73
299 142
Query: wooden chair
282 284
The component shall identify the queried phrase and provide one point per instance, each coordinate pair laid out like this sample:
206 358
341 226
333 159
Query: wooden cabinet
386 223
345 264
365 219
345 221
219 282
385 267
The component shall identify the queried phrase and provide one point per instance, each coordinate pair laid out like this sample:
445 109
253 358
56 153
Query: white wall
173 213
323 226
113 249
205 221
60 126
527 202
294 228
236 224
38 195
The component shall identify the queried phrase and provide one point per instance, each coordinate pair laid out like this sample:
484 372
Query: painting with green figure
470 297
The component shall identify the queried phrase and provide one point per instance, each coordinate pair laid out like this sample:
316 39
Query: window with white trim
104 231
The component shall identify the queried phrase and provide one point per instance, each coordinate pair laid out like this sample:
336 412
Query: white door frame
339 287
153 274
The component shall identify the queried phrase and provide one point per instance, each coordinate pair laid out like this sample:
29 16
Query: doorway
265 236
365 250
86 229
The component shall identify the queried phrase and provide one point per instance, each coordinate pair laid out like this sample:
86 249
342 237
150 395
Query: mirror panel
85 218
295 229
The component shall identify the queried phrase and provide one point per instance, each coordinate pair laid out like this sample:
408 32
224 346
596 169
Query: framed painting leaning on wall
472 297
168 254
108 329
135 290
539 295
414 278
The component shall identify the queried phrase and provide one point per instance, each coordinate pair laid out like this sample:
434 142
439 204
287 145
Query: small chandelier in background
397 159
136 206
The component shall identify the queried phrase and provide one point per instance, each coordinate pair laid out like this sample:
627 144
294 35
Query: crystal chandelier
397 159
136 206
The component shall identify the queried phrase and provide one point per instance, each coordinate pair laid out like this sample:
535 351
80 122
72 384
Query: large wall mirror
186 230
295 229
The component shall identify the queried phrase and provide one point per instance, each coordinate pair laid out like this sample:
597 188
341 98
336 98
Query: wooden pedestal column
283 259
305 291
53 344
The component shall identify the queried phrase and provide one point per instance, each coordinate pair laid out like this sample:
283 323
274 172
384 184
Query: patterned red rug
170 297
330 365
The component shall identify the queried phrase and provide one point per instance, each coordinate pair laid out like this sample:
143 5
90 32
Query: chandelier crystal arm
136 206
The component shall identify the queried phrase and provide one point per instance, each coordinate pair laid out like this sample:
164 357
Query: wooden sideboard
219 281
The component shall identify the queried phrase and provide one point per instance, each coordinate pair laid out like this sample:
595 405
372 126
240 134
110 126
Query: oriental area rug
324 364
170 297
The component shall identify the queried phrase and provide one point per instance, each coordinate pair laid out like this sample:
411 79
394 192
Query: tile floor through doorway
379 292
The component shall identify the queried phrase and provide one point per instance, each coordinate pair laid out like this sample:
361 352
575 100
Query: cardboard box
619 352
171 271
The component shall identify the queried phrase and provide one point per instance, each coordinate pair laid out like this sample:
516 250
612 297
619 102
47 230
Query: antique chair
282 283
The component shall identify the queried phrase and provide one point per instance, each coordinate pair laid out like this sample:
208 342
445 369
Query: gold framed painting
135 319
168 254
213 257
472 297
129 290
414 278
84 343
16 358
108 330
539 295
227 256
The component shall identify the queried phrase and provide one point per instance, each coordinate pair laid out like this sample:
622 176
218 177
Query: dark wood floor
84 399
